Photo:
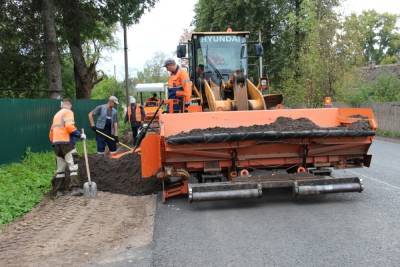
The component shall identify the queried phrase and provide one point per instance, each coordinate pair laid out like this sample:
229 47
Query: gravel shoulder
76 231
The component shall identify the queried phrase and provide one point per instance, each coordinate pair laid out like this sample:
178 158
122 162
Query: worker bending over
107 123
179 81
135 114
63 135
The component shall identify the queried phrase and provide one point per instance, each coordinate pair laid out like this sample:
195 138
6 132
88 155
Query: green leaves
308 47
23 185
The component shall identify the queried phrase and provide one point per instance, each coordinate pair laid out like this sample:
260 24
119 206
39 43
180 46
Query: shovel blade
90 189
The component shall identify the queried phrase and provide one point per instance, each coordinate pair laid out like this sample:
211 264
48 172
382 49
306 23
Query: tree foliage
153 71
84 30
373 36
22 70
308 46
107 87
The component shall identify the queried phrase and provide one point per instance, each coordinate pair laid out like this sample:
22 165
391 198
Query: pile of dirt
281 124
121 175
360 125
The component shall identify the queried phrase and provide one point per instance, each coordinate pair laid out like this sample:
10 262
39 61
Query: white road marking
374 179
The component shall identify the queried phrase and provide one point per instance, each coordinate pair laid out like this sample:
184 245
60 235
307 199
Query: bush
386 88
108 87
22 185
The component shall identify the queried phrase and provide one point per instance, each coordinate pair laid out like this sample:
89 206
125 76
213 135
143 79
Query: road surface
117 230
336 230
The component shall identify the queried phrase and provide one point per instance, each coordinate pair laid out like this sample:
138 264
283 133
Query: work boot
76 192
56 186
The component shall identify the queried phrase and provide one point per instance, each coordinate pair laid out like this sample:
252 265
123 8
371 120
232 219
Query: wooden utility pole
261 58
126 64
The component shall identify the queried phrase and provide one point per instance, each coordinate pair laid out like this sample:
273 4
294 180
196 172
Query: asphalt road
336 230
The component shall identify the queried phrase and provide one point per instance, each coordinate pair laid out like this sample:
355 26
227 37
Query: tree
107 87
21 50
85 21
297 38
53 66
373 35
153 71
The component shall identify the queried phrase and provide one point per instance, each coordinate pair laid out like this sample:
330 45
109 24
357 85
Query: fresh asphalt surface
336 230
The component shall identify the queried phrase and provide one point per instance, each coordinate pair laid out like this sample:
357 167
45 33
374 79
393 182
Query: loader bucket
273 100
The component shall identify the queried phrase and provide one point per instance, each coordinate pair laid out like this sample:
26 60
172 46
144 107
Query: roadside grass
24 184
385 133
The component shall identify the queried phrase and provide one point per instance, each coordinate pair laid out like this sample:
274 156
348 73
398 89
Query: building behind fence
26 123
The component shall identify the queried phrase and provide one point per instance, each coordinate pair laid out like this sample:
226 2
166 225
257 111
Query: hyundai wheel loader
235 140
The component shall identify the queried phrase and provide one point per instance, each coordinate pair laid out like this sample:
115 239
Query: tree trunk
53 66
85 75
297 38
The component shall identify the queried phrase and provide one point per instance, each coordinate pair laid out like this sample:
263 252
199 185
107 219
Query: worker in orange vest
178 82
135 114
63 135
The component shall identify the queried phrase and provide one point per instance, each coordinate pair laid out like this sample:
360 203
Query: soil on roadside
122 176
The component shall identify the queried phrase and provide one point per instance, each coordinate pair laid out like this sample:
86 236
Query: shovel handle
109 137
86 159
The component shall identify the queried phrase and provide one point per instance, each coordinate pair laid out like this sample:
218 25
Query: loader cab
219 54
215 56
218 67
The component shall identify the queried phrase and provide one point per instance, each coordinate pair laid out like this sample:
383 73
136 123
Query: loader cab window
221 55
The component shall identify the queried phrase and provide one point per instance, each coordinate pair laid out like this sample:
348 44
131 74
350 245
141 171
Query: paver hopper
220 155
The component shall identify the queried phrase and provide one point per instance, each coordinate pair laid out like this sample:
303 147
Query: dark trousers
135 128
103 141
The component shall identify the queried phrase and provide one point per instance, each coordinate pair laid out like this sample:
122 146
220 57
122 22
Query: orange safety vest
63 125
181 78
138 113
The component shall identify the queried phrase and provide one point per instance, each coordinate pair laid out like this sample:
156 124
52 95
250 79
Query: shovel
89 188
117 155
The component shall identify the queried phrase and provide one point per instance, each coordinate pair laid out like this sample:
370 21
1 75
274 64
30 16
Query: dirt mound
280 124
121 175
361 125
281 128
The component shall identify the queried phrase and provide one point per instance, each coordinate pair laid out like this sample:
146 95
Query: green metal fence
26 122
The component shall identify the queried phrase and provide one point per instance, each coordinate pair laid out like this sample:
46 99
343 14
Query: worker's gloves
116 138
145 125
93 128
83 136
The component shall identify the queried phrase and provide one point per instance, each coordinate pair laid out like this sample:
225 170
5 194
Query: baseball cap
169 61
114 99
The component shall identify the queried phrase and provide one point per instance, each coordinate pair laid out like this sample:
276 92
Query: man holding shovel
107 123
63 135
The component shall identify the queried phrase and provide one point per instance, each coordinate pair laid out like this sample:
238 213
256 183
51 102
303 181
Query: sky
160 28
